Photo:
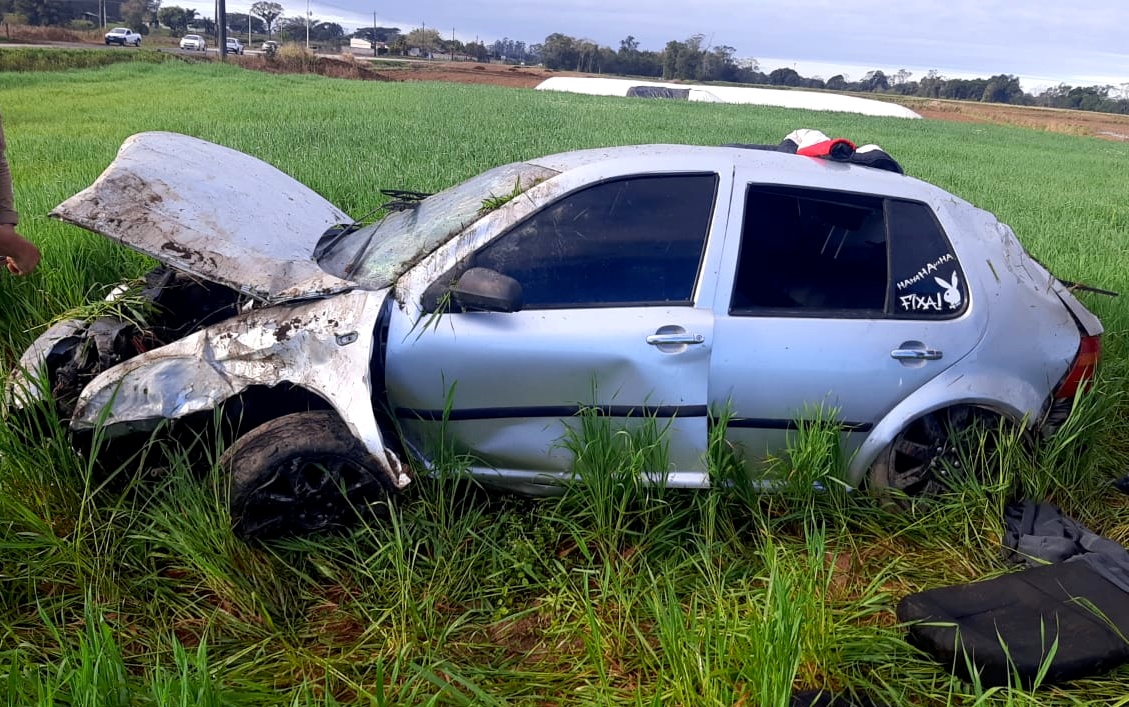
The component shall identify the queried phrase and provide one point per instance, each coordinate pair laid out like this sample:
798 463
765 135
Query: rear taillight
1081 372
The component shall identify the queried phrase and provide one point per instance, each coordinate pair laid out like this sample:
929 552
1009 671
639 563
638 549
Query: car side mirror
485 290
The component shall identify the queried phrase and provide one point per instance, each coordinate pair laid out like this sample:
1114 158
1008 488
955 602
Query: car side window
630 241
809 252
926 281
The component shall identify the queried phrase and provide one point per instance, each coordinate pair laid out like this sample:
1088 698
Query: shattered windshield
377 254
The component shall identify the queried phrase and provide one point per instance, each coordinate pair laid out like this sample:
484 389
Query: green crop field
134 591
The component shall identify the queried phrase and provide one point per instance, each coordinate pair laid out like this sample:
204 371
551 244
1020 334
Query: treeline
691 60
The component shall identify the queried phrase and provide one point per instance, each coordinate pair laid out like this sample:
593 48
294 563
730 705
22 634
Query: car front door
835 305
617 317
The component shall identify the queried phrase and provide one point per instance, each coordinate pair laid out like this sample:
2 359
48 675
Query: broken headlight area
165 306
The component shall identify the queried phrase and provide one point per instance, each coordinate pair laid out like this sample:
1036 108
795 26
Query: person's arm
19 254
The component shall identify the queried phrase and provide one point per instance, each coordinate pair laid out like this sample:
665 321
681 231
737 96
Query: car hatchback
710 290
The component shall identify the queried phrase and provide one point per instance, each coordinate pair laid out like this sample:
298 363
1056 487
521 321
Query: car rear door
617 317
835 305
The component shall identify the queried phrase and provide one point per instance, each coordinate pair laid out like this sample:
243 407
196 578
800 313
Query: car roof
784 167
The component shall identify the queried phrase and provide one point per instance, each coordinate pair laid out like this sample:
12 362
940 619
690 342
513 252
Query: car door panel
510 383
827 345
507 387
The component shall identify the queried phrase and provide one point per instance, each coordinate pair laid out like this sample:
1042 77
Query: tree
268 12
670 58
176 18
930 86
426 40
874 81
477 50
785 77
1003 88
326 32
293 28
238 22
689 61
42 12
378 34
135 14
558 51
718 64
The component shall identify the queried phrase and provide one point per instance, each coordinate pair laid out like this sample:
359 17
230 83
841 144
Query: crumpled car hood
213 212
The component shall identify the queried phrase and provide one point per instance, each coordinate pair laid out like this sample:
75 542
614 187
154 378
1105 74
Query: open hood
211 211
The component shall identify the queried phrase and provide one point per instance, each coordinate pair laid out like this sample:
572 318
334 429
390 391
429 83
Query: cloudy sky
1042 41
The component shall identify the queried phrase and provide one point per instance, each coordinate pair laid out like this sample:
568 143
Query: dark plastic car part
486 290
1065 618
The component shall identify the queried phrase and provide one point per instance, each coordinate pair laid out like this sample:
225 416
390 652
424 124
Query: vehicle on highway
194 42
123 36
234 46
270 46
711 291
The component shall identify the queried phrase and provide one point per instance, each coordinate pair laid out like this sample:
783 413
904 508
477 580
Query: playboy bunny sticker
952 294
949 295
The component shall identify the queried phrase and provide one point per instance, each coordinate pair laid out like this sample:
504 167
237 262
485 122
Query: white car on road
194 42
123 36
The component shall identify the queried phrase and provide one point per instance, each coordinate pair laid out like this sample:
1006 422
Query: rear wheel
299 474
932 453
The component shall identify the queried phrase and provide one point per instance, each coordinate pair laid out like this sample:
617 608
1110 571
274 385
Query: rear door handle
687 338
916 354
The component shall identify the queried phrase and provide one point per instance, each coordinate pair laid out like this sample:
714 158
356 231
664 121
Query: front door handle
916 354
684 338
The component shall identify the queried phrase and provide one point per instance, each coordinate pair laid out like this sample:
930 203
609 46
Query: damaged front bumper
322 346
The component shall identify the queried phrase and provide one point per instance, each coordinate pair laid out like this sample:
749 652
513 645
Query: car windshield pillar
376 254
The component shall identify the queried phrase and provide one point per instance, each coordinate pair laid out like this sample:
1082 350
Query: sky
1044 42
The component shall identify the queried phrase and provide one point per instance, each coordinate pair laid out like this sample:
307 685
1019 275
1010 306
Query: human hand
20 255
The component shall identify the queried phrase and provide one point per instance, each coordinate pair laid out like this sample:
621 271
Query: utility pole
452 55
221 23
307 25
374 33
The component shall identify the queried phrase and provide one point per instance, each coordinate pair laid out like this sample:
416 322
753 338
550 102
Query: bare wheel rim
307 493
929 455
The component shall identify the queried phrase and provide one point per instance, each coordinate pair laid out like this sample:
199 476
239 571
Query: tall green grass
135 591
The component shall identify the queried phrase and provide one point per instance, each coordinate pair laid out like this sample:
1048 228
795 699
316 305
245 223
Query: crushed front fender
324 346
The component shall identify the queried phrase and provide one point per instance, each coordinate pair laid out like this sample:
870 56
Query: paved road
112 47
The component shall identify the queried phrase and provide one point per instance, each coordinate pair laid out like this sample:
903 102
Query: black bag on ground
1006 628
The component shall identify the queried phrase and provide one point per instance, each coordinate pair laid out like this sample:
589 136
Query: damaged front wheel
299 474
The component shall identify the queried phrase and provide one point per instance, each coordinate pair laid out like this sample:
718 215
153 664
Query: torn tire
299 474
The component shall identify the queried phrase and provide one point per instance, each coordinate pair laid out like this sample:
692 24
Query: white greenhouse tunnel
810 100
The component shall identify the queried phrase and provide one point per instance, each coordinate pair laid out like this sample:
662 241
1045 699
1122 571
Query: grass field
136 592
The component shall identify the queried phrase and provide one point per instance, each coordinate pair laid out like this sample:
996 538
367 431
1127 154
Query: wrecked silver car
678 284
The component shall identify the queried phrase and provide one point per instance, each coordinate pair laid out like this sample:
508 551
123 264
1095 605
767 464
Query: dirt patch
332 67
1106 126
491 74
